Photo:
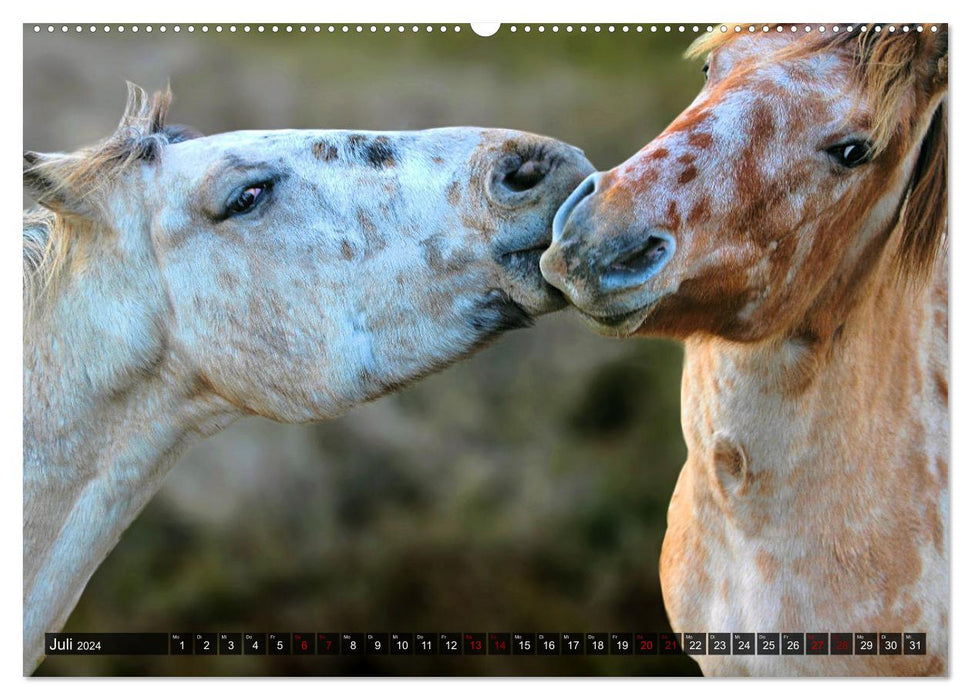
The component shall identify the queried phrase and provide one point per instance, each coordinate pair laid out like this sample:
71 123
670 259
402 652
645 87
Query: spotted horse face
310 270
767 198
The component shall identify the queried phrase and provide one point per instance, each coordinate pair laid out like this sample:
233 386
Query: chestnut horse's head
756 211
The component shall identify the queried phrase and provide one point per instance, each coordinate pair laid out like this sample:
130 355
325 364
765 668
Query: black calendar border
486 643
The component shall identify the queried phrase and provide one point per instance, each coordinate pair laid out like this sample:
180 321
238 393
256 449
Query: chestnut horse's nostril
582 191
637 261
648 256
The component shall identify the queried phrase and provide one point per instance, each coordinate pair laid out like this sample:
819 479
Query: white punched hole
485 28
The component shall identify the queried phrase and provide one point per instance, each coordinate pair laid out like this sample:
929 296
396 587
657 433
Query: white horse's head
297 273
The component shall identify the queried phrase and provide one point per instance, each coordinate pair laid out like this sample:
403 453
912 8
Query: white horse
175 282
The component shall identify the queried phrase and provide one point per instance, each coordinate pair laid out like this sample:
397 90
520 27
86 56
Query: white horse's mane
141 136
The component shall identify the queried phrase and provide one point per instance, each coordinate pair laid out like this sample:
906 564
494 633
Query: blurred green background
524 489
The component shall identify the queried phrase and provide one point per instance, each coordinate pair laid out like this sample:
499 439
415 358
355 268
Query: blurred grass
523 490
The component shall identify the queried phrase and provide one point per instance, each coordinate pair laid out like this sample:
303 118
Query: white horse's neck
107 411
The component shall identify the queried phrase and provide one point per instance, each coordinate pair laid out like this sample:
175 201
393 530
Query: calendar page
613 349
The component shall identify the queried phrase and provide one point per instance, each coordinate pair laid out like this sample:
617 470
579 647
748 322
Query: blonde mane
892 68
79 177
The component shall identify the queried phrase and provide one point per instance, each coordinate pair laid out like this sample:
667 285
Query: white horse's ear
47 180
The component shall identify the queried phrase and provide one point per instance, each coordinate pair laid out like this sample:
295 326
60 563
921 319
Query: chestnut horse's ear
933 59
925 213
47 181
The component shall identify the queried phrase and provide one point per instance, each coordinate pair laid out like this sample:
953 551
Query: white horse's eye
851 153
248 198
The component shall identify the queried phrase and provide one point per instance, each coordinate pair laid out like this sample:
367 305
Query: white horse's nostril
582 191
526 176
515 175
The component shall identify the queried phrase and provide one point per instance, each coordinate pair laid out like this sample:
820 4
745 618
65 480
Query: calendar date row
489 643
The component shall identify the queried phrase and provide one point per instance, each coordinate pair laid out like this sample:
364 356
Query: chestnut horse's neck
861 396
107 411
815 491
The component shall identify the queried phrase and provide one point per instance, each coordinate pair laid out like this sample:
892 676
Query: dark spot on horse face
380 153
626 189
700 212
355 145
700 139
763 123
658 154
692 120
372 237
438 160
442 263
347 250
376 152
483 226
673 221
687 175
510 146
433 254
453 193
324 151
366 223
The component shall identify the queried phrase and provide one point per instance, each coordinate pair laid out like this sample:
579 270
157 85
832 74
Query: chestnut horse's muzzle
597 254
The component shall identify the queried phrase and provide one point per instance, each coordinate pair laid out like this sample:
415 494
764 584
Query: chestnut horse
175 282
790 228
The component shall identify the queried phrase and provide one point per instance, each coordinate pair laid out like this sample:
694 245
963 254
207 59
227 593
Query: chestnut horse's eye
704 69
248 198
851 153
